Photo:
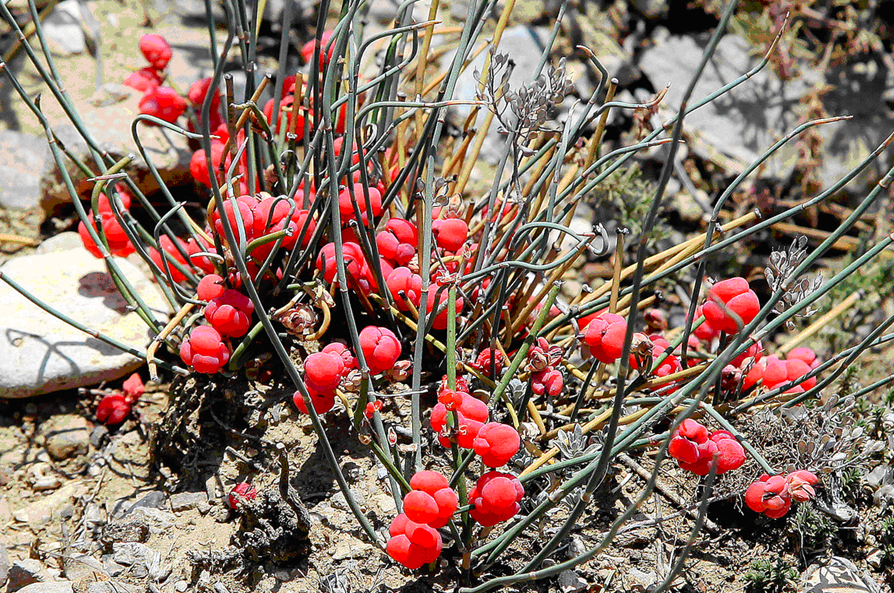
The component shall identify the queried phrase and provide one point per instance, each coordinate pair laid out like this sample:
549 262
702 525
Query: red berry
440 321
402 280
496 444
769 495
143 80
209 287
450 233
119 243
205 350
736 296
322 402
346 205
112 409
495 498
413 544
420 507
164 103
307 50
156 50
381 348
230 313
240 493
323 371
133 387
805 354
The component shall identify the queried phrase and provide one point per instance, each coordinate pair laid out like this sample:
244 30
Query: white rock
49 587
24 159
40 353
64 30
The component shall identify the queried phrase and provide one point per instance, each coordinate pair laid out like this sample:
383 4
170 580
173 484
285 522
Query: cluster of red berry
695 450
114 407
773 495
118 241
160 101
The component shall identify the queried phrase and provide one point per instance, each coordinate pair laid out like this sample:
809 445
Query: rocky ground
144 506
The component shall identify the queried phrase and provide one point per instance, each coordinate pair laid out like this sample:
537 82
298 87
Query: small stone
180 586
571 582
41 511
159 521
340 502
4 564
838 574
132 528
112 587
184 501
351 549
64 30
67 435
153 500
875 559
111 567
80 567
640 580
25 572
98 434
61 242
48 587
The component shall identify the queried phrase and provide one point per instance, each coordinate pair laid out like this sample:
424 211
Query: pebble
339 501
41 511
80 567
61 242
48 587
63 28
4 564
131 528
67 435
840 575
159 521
571 582
184 501
25 572
44 354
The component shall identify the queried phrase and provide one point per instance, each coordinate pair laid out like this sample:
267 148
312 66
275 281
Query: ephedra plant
340 236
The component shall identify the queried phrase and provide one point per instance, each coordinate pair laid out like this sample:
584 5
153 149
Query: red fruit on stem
404 281
381 348
113 409
240 493
119 243
164 103
770 496
495 498
450 233
205 350
210 286
133 387
144 79
322 402
731 296
323 371
496 444
156 50
230 313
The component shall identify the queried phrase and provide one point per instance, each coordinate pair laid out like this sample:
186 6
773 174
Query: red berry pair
230 313
381 348
772 495
495 498
695 450
397 242
405 288
496 444
241 493
205 350
450 233
431 501
471 415
773 372
605 337
731 305
413 544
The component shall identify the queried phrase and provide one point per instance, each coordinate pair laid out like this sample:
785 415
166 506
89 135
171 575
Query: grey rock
53 506
66 436
132 528
339 501
143 560
24 160
61 242
640 580
652 9
838 574
64 30
739 125
48 587
112 587
571 582
39 353
183 501
111 567
4 564
159 521
25 572
153 500
81 567
98 433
